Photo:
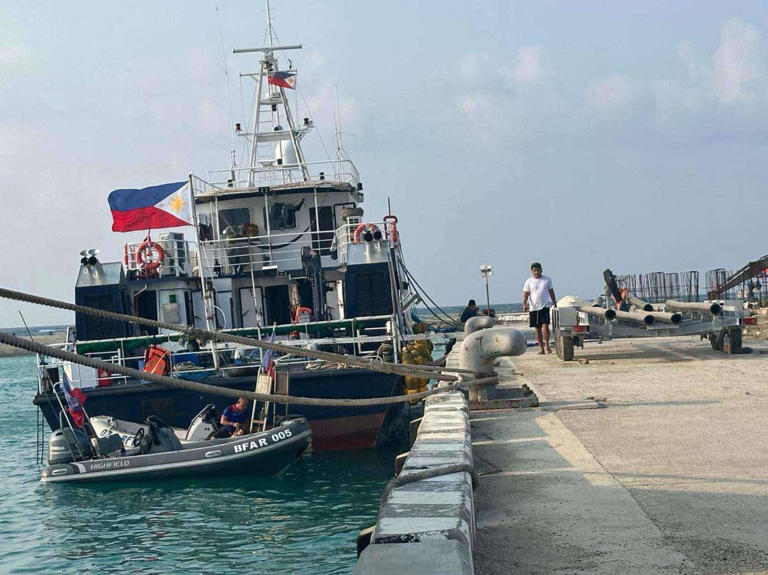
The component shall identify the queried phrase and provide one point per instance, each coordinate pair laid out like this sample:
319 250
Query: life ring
144 256
300 311
372 228
390 223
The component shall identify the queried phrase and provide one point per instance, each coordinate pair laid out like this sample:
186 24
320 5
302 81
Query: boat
280 250
106 449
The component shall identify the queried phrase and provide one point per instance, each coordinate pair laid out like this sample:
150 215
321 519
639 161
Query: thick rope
414 476
193 332
63 355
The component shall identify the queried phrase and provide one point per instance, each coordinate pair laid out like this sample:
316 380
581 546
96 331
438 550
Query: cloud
489 90
528 66
473 105
738 62
609 94
11 55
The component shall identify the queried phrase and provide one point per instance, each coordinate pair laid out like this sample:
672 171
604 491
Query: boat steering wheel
138 437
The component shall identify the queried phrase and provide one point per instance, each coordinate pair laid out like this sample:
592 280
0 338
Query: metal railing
234 256
273 174
179 257
282 251
345 235
233 357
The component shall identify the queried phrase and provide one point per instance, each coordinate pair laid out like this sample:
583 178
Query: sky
583 135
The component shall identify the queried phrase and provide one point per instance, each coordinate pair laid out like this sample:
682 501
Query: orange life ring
390 223
301 310
373 228
144 256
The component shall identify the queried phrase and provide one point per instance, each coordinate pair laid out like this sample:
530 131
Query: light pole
485 271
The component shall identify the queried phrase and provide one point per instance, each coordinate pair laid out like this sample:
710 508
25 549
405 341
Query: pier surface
653 457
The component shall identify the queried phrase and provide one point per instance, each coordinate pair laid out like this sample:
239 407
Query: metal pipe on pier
666 317
639 304
607 314
640 317
711 308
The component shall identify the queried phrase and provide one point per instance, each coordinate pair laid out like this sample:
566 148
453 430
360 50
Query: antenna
337 117
26 326
229 92
269 23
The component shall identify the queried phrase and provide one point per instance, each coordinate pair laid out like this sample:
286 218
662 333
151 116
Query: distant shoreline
46 339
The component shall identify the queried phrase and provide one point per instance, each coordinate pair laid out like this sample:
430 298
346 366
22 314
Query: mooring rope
193 332
421 474
64 355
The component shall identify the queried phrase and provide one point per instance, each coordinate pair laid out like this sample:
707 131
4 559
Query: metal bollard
477 323
480 349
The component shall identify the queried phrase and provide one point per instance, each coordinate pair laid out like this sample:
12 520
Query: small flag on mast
75 400
267 360
283 79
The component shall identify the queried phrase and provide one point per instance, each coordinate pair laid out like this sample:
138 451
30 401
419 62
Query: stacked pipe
639 304
665 317
710 308
638 317
607 314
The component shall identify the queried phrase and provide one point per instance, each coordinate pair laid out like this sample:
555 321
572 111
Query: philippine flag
163 206
283 79
75 400
268 360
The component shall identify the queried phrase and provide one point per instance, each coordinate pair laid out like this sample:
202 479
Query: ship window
282 216
234 217
322 228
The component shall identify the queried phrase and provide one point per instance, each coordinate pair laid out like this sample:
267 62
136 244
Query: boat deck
650 458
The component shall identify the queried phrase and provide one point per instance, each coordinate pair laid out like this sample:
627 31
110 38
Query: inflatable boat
114 450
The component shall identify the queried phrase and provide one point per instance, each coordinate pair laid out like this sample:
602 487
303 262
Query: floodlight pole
487 295
485 271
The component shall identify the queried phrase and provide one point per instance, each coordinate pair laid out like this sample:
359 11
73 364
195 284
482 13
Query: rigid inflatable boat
125 451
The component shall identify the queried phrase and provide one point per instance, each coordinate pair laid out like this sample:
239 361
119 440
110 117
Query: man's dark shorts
539 317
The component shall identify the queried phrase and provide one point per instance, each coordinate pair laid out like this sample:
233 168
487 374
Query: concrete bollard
477 323
481 348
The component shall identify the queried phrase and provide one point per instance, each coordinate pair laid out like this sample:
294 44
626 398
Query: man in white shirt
538 297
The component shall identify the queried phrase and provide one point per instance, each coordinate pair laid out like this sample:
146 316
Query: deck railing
271 174
180 257
85 377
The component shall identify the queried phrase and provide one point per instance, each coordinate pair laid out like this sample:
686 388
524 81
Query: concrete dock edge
428 526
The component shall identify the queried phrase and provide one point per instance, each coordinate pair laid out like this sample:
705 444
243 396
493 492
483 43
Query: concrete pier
652 457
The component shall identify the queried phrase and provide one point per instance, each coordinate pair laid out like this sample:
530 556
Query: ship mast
275 96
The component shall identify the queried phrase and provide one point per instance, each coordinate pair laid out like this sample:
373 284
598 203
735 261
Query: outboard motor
66 446
203 424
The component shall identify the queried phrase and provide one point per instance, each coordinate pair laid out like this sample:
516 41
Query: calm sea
305 521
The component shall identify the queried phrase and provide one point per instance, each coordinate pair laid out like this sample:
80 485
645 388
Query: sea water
304 521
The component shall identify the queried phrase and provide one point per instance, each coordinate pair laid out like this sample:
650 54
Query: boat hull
263 454
334 428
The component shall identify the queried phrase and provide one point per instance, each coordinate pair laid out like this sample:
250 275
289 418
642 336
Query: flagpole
210 326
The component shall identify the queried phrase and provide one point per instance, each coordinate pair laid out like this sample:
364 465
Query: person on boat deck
538 297
470 311
233 418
